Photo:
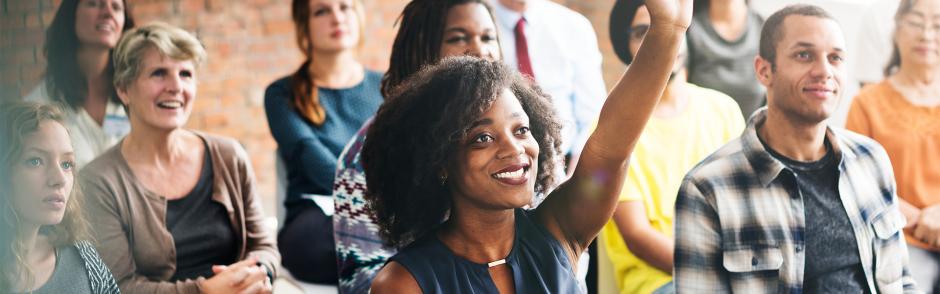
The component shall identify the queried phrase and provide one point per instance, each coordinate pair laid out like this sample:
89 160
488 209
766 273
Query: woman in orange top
903 114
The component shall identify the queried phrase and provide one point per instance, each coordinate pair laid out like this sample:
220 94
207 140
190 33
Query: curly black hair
417 133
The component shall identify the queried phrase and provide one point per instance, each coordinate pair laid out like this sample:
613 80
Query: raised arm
577 210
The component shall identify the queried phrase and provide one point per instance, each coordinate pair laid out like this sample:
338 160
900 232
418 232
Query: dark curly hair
417 133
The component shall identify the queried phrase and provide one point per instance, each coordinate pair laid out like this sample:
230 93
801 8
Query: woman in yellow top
903 114
688 124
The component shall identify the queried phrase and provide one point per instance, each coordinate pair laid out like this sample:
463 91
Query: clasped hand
243 277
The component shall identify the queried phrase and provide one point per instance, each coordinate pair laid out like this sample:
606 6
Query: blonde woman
43 247
175 210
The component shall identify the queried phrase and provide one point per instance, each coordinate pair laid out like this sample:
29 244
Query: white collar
508 18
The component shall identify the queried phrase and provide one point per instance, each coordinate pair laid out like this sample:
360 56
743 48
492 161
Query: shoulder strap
99 276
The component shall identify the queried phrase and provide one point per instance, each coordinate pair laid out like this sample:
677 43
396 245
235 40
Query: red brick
24 55
29 38
12 22
190 6
218 119
152 9
18 7
47 17
34 20
9 74
31 74
278 26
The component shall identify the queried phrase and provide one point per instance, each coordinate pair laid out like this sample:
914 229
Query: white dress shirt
565 60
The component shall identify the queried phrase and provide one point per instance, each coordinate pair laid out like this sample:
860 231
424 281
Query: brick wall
250 44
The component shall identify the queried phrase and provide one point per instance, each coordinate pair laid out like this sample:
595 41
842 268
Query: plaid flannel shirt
740 219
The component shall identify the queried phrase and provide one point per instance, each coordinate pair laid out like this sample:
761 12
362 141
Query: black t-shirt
832 262
201 230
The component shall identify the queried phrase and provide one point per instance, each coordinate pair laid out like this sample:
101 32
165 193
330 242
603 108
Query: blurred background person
44 241
723 42
902 113
428 31
79 73
557 48
312 113
687 125
175 210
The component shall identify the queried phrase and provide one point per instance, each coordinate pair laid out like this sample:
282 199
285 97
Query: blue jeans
668 288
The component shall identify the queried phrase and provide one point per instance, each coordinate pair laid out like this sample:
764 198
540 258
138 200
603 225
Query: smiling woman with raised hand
174 210
428 30
474 159
44 244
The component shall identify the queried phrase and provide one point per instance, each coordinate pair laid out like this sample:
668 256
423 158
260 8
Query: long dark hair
305 98
65 81
894 64
19 119
419 130
418 42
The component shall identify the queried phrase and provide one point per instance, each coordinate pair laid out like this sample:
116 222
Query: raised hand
677 13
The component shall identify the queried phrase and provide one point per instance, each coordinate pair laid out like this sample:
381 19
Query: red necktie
522 50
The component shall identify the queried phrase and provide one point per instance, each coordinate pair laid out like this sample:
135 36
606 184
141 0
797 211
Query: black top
832 259
539 264
201 230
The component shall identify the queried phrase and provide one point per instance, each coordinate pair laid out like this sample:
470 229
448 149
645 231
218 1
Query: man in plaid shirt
793 205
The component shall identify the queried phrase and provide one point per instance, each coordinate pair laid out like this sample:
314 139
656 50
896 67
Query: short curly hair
417 133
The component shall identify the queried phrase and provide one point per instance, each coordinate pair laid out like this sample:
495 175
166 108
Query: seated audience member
557 48
79 73
174 210
688 124
475 159
312 113
903 114
793 205
874 42
428 30
723 42
44 245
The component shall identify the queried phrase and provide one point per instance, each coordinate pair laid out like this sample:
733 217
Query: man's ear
764 70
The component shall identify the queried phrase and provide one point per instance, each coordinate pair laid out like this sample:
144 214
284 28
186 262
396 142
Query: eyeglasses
638 32
921 26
